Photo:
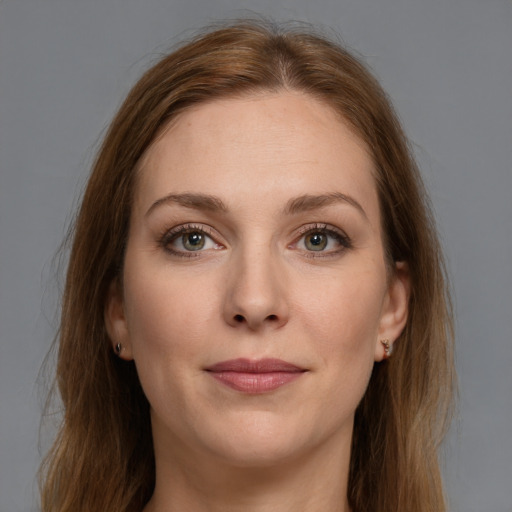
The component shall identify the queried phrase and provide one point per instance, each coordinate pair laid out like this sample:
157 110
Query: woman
255 314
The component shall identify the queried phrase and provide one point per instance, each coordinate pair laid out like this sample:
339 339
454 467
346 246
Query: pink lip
259 376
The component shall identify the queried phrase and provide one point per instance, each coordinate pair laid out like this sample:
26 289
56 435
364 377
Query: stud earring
118 348
388 348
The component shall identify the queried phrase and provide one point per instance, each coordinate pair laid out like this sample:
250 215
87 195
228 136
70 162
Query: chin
260 453
260 442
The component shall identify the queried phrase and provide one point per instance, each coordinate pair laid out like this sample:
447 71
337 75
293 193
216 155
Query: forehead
285 142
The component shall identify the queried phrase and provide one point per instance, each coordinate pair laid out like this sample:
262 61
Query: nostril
239 318
272 317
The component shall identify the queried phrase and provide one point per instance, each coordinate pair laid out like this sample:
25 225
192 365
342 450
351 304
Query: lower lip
256 382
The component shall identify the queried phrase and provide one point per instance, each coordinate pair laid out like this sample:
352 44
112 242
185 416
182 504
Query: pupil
194 239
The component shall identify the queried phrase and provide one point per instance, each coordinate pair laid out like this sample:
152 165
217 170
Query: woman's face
255 289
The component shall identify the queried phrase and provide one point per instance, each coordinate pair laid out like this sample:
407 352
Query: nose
256 295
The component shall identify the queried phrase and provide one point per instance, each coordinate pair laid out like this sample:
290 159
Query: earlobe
115 322
394 312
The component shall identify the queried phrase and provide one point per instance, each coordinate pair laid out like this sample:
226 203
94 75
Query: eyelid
320 226
170 235
341 237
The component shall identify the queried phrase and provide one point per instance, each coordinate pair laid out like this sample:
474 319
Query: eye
194 241
322 238
187 239
316 241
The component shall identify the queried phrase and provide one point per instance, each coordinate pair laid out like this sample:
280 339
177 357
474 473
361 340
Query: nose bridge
256 293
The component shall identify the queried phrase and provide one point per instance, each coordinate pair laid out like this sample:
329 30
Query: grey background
65 66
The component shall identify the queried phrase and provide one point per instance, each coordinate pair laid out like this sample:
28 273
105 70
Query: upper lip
243 365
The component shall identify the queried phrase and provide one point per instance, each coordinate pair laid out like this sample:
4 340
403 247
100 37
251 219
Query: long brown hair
103 457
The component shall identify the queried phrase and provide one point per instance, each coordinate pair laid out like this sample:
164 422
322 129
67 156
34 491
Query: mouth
255 377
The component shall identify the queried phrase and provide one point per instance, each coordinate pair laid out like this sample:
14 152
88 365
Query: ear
395 308
115 321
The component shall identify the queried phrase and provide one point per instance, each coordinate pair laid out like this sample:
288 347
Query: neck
313 481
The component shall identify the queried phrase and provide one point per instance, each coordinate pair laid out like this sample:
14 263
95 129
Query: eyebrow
311 202
294 206
195 201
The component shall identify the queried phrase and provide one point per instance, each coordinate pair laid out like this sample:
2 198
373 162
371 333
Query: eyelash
325 229
171 235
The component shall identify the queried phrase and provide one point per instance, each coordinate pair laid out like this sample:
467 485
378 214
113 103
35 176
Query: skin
256 289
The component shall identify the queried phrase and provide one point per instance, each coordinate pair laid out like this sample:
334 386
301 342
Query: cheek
169 325
340 320
167 316
343 316
345 311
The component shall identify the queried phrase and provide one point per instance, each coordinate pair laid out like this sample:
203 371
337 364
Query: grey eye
316 241
193 241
